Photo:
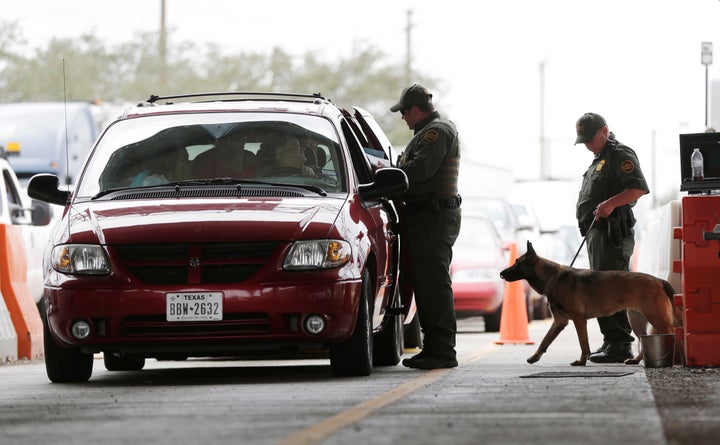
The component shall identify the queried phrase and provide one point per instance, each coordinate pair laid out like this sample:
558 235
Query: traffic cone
514 320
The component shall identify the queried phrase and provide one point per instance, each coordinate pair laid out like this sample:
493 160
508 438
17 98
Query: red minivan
227 224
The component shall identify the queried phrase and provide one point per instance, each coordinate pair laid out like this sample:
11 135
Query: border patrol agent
611 186
431 162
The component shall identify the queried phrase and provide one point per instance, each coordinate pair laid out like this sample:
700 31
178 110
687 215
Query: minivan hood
201 220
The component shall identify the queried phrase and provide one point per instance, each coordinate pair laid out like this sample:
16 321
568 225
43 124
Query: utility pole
706 59
162 44
544 156
408 48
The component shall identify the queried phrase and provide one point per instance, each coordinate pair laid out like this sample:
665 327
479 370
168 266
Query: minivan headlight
86 259
317 254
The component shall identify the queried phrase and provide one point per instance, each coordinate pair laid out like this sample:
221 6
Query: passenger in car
315 157
290 160
179 167
266 157
162 166
228 158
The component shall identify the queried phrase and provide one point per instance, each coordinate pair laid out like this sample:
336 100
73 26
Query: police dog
581 294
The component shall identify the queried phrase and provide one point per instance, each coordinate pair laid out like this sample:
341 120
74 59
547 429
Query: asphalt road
494 396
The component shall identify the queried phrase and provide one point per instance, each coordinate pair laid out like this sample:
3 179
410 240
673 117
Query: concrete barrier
8 337
20 302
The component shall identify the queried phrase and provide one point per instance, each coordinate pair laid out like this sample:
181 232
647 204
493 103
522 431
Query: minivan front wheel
354 357
65 365
388 345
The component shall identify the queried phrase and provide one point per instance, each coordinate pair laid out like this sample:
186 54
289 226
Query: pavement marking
326 428
479 353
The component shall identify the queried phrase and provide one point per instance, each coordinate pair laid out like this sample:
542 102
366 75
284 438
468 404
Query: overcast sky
636 62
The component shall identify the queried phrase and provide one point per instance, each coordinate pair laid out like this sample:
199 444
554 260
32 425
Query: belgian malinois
581 294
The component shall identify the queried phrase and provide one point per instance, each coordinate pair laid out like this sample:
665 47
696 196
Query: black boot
613 353
431 360
600 349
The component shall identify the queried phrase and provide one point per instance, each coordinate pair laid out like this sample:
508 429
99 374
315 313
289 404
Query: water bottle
696 163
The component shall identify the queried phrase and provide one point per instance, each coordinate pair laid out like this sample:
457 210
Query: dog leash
583 241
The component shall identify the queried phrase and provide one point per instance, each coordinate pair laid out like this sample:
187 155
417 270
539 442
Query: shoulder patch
627 167
431 135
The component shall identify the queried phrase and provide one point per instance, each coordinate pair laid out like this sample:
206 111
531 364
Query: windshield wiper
212 181
108 191
189 182
218 181
233 181
313 188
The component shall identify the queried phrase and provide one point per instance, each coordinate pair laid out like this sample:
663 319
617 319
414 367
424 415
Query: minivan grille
232 325
194 263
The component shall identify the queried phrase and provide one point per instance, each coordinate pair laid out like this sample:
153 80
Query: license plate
194 306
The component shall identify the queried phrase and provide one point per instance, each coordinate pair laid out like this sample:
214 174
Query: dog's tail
677 312
669 290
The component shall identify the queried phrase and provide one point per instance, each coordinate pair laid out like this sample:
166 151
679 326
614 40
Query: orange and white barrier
16 294
8 337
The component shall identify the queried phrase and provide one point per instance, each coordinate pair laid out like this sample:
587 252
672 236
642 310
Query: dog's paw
533 358
578 363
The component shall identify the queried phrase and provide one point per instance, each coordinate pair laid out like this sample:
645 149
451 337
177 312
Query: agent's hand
604 209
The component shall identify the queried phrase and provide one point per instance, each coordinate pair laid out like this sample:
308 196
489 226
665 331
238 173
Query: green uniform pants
432 235
604 256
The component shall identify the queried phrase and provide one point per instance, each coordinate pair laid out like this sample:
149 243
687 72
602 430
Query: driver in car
290 160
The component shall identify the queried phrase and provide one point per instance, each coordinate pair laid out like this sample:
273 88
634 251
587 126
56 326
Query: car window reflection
274 152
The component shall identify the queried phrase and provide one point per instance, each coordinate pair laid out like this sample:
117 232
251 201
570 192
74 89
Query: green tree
87 68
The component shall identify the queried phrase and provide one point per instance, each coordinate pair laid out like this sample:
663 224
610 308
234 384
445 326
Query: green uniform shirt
431 160
614 170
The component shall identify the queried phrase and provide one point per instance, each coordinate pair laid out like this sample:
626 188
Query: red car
228 225
478 257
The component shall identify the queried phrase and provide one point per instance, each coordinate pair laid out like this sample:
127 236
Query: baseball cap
415 94
587 126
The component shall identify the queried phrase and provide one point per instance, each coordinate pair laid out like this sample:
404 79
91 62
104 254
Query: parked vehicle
478 257
47 137
499 210
512 226
33 217
557 238
191 233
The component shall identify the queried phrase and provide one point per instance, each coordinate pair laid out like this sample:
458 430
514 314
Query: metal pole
408 49
163 31
706 59
543 153
162 44
706 96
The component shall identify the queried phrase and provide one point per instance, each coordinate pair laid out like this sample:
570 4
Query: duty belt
599 224
434 204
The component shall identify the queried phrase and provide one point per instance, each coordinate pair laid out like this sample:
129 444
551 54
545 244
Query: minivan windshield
201 148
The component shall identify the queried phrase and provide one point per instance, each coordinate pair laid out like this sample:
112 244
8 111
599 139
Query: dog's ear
530 249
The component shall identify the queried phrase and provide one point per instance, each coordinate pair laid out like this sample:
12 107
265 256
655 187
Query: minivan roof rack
244 95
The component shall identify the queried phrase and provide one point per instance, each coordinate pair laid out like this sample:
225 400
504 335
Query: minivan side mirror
46 187
389 182
41 213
